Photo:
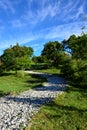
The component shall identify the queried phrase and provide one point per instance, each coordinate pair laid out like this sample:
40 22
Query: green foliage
16 57
76 69
61 58
40 66
23 62
74 66
76 72
20 74
39 59
82 73
78 45
1 69
51 50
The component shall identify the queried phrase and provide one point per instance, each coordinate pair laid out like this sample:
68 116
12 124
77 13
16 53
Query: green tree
23 62
76 69
39 59
78 46
51 50
15 54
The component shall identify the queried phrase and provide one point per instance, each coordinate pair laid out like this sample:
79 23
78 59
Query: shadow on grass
83 91
2 93
37 78
7 74
56 107
69 115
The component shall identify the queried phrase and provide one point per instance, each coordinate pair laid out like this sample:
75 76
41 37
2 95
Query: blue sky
35 22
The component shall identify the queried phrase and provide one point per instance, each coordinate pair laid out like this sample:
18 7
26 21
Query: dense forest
70 56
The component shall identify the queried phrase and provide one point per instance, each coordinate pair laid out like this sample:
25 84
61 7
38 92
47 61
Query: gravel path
17 110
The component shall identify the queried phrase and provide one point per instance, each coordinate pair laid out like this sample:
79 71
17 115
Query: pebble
18 110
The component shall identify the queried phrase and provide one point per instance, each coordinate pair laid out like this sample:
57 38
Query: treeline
73 64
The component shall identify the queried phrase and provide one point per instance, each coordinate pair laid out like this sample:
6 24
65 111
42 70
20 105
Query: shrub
76 72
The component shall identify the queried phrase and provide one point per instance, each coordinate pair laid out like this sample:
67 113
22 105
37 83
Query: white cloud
24 38
66 11
64 31
80 11
70 10
45 9
50 10
60 32
7 5
18 23
3 5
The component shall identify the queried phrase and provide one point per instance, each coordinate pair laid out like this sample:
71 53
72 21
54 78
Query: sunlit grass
67 112
50 71
14 84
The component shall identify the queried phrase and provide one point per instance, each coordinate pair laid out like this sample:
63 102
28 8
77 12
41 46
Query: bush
20 74
1 69
39 66
76 72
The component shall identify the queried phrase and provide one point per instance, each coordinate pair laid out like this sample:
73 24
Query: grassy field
66 112
14 84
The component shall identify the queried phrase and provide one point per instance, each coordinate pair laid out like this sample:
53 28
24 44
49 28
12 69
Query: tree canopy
14 54
51 50
78 46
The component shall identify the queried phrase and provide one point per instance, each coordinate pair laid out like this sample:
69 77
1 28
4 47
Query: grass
50 71
67 112
14 84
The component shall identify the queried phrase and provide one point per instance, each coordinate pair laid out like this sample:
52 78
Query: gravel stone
17 110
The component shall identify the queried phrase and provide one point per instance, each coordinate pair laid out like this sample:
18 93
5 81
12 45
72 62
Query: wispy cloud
50 9
71 10
7 5
54 32
44 9
80 11
18 23
56 19
21 39
65 30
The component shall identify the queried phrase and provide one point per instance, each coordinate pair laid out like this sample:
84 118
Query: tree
23 62
13 55
39 59
51 50
76 69
78 46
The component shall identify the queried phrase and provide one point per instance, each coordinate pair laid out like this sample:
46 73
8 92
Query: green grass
67 112
14 84
50 71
